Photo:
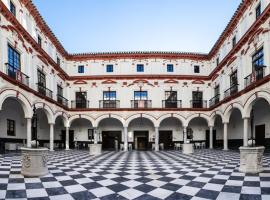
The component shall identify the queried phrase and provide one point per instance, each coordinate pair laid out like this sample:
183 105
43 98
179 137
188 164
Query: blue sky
137 25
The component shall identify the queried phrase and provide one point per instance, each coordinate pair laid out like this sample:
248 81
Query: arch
169 115
79 116
214 115
230 108
143 115
48 111
107 116
25 103
198 115
251 101
64 116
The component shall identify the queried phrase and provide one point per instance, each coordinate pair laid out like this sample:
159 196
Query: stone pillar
245 137
211 137
95 135
51 136
156 138
28 132
125 139
185 134
67 138
225 136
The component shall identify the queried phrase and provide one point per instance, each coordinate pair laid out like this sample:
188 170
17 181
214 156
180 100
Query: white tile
74 188
64 197
102 191
188 190
228 196
84 180
156 183
34 193
202 179
3 194
16 186
251 190
160 193
106 182
234 183
212 186
53 184
180 181
131 193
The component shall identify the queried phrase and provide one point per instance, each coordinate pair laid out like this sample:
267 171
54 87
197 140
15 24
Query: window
39 41
258 64
11 127
81 99
196 69
140 95
217 61
109 95
216 90
234 41
12 8
171 95
170 68
81 69
41 82
233 79
91 134
197 97
109 68
59 90
58 61
14 62
140 68
258 11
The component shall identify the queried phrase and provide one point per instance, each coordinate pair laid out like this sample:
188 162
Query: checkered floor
207 174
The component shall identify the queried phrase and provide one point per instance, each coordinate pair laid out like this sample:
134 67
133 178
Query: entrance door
260 135
141 140
165 137
207 136
111 139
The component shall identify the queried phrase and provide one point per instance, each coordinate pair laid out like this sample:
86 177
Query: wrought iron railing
62 100
255 76
109 104
44 91
198 104
215 100
141 104
171 104
79 104
16 74
231 91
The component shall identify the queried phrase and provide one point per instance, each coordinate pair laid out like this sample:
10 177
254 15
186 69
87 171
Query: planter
188 148
34 162
95 149
251 159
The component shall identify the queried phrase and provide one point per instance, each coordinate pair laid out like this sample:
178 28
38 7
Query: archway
217 132
235 129
60 132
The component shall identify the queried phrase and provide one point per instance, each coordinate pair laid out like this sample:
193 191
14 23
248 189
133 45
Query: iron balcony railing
109 104
171 104
215 100
44 91
79 104
62 100
255 76
231 91
198 104
17 75
141 104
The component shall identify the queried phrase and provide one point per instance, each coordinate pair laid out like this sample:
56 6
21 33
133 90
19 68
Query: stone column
67 138
185 134
125 139
245 137
28 132
95 135
211 137
51 136
156 138
225 136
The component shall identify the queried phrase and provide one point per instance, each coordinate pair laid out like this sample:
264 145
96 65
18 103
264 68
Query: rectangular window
234 41
58 61
109 95
140 95
217 61
41 82
196 69
39 41
171 95
14 62
91 134
109 68
258 10
216 90
12 8
81 99
233 78
59 90
197 99
11 127
140 68
258 59
81 69
170 68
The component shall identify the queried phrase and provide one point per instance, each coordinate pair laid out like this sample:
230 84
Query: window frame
109 68
39 41
234 41
140 67
140 96
12 8
14 56
81 69
170 68
111 96
197 69
258 10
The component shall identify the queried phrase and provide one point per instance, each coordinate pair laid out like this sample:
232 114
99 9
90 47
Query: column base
225 149
95 149
188 148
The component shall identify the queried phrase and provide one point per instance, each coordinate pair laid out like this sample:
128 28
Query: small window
234 41
217 61
58 61
12 8
140 68
39 41
196 69
11 127
91 134
81 69
109 68
258 11
170 68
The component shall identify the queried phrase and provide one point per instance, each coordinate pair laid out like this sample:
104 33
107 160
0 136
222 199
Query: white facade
21 32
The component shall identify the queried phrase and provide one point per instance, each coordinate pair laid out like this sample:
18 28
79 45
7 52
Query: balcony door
41 82
258 64
216 93
234 82
81 99
140 99
197 97
59 94
14 62
170 99
109 99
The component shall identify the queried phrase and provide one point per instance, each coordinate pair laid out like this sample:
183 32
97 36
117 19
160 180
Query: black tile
171 186
250 197
117 187
208 194
83 195
178 196
11 194
231 189
33 185
145 188
56 191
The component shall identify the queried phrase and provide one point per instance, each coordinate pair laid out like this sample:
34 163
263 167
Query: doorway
141 140
71 139
166 137
260 135
111 140
207 137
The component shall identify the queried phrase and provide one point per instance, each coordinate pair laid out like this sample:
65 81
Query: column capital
156 127
246 118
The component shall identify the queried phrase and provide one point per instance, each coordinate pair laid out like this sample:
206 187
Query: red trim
79 82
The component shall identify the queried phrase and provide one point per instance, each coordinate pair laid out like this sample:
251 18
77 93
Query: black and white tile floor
207 174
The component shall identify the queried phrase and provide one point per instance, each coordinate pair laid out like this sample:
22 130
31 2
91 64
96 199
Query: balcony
231 91
79 104
44 91
171 104
198 104
62 100
214 100
109 104
141 104
255 76
17 74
